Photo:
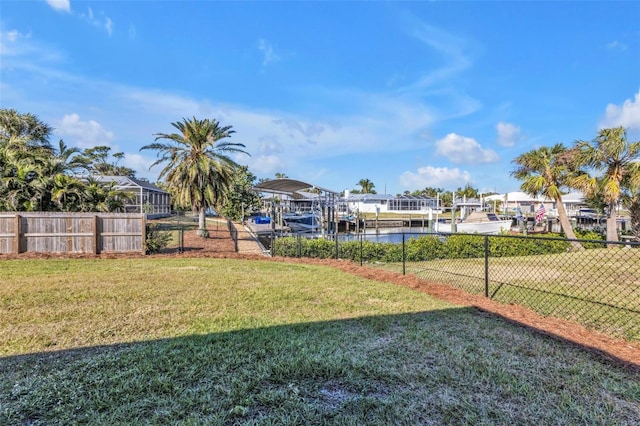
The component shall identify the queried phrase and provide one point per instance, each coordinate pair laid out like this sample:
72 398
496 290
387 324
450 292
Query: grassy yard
222 341
599 288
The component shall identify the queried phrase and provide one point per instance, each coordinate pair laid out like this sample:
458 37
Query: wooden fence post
17 227
95 229
69 227
143 218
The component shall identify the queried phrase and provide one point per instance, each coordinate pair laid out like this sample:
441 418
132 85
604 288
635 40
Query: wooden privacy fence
90 233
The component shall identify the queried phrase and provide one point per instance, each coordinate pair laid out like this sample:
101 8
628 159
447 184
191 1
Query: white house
509 203
385 203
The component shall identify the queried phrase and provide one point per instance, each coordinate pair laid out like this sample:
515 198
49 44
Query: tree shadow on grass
450 366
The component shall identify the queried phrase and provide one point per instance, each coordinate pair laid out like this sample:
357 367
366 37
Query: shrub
422 248
527 245
459 246
155 238
425 247
592 235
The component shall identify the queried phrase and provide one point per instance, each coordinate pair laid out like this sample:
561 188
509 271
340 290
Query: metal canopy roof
287 186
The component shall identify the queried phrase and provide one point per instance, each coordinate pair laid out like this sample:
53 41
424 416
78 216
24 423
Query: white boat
302 222
477 223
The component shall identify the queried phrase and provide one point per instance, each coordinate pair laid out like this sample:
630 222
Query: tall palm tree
367 186
198 170
545 171
616 159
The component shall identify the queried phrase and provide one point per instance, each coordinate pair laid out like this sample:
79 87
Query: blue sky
406 94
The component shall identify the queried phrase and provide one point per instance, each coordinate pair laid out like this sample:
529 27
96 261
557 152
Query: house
509 203
147 197
385 203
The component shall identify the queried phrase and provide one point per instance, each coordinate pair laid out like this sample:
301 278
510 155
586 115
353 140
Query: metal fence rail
598 287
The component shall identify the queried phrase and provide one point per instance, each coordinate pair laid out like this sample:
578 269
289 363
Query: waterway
382 235
385 235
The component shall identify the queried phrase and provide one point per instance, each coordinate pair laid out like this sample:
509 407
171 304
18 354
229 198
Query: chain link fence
597 286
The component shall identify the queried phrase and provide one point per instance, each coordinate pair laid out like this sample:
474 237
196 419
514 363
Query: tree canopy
546 171
36 176
198 170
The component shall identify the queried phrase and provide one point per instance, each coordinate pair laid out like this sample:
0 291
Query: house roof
369 197
518 197
289 187
129 182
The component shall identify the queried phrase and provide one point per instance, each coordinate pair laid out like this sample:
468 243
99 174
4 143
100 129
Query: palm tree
103 197
23 130
24 148
367 186
18 193
617 160
198 170
545 171
63 161
67 192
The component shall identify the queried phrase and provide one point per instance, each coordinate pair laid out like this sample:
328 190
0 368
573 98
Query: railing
598 287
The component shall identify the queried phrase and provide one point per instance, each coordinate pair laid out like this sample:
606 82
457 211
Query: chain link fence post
404 257
486 266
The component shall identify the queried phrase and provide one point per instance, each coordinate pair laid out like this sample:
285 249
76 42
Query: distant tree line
200 174
606 170
35 175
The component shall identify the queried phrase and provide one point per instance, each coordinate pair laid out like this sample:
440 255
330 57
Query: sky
406 94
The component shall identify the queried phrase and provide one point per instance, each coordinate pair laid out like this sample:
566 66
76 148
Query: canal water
385 235
382 235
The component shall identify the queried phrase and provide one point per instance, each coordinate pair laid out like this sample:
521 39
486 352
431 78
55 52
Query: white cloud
25 52
83 134
627 115
616 45
378 120
108 25
436 177
508 134
12 35
278 141
7 41
268 54
100 21
453 49
266 164
140 164
63 5
462 150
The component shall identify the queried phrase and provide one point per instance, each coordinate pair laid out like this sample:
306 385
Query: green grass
221 341
599 288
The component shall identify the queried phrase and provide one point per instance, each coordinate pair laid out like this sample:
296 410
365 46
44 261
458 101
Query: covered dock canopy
289 187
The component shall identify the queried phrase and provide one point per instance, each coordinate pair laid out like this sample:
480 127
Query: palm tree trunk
566 225
612 231
202 223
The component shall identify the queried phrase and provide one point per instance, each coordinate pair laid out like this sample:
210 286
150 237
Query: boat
302 222
477 222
